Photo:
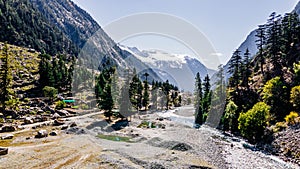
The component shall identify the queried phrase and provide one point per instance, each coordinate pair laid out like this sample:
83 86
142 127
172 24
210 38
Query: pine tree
135 92
260 42
154 95
246 69
103 91
274 42
235 69
5 76
166 91
206 102
146 92
198 100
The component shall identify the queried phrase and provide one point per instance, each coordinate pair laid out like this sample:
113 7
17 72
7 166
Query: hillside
23 25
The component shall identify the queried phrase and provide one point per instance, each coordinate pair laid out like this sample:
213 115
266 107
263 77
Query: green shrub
60 105
253 123
230 113
291 118
50 92
295 97
279 126
276 94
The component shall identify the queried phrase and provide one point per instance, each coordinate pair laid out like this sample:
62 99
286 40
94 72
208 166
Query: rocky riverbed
156 140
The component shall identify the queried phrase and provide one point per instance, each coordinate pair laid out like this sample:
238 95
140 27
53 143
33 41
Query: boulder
64 127
73 124
48 108
7 137
53 133
55 116
28 120
3 151
8 129
63 112
58 122
41 134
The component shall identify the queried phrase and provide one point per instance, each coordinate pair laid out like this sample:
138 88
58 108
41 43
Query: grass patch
147 124
115 138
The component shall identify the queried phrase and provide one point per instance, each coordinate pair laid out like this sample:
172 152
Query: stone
58 122
64 127
28 120
63 112
8 129
7 137
3 151
53 133
41 134
48 108
55 116
73 124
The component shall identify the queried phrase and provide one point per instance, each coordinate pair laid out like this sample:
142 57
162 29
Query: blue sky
226 23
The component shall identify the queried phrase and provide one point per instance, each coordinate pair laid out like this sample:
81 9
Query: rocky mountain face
178 69
77 24
94 44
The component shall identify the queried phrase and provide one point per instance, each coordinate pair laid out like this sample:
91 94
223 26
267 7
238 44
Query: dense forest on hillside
23 25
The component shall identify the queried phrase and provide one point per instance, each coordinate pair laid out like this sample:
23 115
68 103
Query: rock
3 151
27 138
58 122
48 108
8 129
40 111
42 104
53 133
160 118
28 120
42 134
55 116
73 124
64 127
63 112
7 137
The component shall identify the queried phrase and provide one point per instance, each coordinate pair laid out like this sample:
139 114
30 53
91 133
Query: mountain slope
77 24
23 25
178 69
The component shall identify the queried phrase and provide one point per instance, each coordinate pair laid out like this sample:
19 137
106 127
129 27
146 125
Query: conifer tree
198 96
5 76
260 42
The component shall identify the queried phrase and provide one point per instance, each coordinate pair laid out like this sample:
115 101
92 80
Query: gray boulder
41 134
7 137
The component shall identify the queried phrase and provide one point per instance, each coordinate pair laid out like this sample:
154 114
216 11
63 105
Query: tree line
262 90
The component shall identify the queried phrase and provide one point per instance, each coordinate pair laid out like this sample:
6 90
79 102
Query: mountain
178 69
76 23
23 25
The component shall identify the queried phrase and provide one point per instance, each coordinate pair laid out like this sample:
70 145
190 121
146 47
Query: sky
225 24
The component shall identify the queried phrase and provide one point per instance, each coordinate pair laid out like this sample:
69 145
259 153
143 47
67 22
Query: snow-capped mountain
178 69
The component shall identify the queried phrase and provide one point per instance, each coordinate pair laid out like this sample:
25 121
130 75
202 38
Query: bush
50 92
291 118
279 126
276 94
60 105
253 123
295 97
231 113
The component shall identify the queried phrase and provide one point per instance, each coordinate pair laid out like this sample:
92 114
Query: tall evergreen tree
260 42
246 69
146 92
274 42
198 100
5 76
206 102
